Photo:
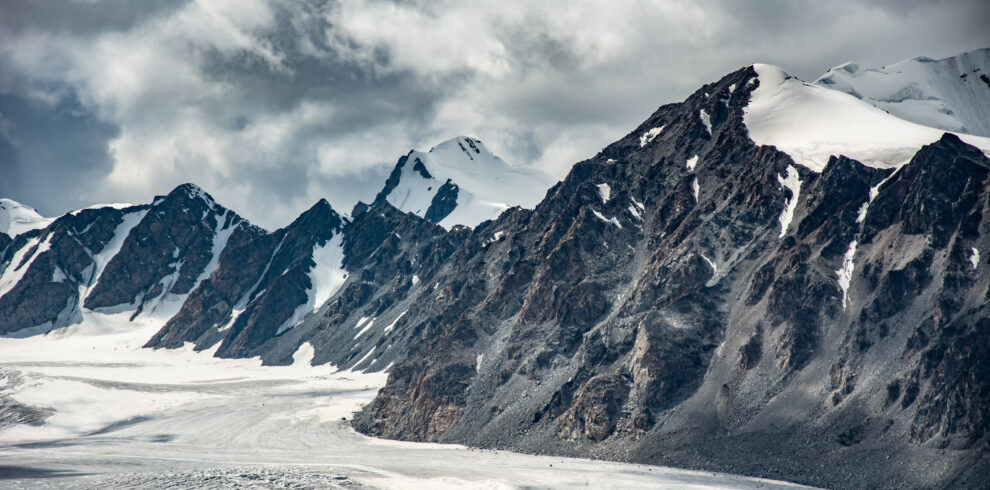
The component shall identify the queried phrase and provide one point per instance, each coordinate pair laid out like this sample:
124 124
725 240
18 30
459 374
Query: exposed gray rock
675 322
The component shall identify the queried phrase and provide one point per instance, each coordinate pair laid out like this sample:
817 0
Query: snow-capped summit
460 182
16 218
811 123
951 94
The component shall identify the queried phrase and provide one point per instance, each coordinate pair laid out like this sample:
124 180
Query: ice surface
861 215
811 123
126 417
635 212
16 218
946 94
329 273
792 183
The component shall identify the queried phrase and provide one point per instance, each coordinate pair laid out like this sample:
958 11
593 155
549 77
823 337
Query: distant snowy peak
951 94
460 182
811 123
16 218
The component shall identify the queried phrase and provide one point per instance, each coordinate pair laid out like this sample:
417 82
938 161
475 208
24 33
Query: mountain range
772 277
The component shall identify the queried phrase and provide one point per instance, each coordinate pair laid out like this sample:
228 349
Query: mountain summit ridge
951 94
460 182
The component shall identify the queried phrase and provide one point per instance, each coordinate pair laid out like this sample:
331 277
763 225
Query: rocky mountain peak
460 182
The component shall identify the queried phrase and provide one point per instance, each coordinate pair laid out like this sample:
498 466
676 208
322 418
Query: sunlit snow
707 121
845 274
127 417
792 183
649 136
605 192
812 123
611 220
16 218
946 94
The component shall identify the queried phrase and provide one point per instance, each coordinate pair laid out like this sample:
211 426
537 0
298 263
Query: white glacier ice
812 123
16 218
947 94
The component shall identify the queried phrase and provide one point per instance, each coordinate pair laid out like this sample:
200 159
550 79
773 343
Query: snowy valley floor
113 415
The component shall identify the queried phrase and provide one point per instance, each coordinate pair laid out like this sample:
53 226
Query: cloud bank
271 105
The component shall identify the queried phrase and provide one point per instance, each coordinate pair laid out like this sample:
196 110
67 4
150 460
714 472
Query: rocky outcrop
260 283
47 273
687 297
167 253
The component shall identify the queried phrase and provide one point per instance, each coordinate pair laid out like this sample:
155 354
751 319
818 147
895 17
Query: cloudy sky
271 105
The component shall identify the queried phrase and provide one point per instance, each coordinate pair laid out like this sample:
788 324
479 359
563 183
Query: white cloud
270 107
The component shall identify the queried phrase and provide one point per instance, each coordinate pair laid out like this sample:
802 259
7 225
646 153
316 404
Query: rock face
261 286
685 297
46 274
167 253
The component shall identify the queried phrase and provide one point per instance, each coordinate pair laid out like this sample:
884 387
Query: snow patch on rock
707 121
605 192
650 135
792 183
845 274
611 220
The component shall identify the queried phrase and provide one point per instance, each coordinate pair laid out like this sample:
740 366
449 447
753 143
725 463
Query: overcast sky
271 105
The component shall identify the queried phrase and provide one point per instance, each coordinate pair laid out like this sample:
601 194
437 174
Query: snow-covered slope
951 93
811 123
16 218
460 182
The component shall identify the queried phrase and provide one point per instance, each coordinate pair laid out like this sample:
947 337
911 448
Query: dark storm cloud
44 148
272 105
81 17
